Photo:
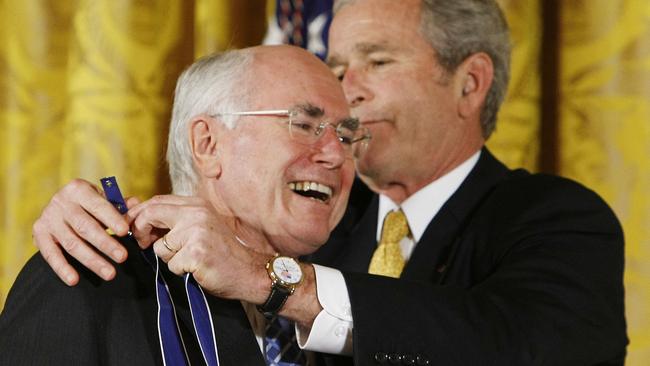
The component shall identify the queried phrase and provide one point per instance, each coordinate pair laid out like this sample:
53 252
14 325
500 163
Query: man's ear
475 77
204 134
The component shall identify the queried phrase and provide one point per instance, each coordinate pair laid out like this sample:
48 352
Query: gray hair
457 29
210 85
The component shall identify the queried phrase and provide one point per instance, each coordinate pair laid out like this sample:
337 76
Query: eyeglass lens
307 130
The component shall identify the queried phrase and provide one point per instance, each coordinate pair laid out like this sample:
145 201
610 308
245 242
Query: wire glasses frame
306 130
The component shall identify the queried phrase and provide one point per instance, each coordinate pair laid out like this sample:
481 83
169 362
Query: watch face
287 270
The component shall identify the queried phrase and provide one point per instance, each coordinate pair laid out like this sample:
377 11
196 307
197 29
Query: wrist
259 285
303 306
286 276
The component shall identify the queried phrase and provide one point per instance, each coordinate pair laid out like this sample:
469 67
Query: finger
152 220
182 262
55 258
83 193
164 249
167 199
84 253
91 232
51 234
132 201
91 198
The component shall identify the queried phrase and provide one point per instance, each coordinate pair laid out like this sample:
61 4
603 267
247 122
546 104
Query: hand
74 220
203 243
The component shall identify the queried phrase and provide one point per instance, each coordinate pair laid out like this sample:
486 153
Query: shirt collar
422 206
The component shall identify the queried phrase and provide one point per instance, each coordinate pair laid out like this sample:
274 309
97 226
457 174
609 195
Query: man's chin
369 174
366 165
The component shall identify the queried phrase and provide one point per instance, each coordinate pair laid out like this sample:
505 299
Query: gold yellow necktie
387 259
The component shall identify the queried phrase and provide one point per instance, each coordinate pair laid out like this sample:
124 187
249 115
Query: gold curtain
85 91
86 87
515 140
605 131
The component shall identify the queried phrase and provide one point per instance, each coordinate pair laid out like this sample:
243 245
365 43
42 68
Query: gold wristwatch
286 275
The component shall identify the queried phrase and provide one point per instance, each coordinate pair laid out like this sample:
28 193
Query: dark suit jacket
515 269
44 322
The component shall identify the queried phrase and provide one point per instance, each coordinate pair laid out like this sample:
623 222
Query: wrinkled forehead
364 28
288 79
379 17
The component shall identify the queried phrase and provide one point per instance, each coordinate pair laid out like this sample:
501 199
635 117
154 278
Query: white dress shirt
332 328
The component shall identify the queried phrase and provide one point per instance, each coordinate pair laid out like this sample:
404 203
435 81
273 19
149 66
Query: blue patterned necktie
280 346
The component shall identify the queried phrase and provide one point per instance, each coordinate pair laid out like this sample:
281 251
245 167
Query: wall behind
86 89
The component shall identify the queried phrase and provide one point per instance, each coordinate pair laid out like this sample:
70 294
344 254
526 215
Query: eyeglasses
305 129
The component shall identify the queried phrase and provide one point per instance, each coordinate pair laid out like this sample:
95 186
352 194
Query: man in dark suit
217 137
495 266
45 322
501 267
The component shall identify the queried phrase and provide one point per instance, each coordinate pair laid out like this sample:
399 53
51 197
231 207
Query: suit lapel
236 341
359 245
425 260
353 241
432 254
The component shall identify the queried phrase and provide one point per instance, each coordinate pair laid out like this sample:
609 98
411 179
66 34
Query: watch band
283 283
275 301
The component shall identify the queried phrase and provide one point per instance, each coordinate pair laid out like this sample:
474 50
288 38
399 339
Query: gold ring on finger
166 244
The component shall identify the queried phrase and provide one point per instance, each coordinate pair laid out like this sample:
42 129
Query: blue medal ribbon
171 341
202 320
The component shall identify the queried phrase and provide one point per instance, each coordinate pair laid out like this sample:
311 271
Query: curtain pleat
604 131
34 47
515 140
86 89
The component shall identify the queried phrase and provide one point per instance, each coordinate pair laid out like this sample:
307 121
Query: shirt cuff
331 331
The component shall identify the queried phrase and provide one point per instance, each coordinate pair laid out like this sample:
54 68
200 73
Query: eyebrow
310 110
333 61
366 48
315 112
349 122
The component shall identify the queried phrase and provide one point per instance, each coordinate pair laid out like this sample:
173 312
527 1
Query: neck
253 239
406 185
246 235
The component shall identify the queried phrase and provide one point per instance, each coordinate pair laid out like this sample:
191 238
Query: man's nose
355 87
330 151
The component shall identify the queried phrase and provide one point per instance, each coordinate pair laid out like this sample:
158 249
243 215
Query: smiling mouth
313 190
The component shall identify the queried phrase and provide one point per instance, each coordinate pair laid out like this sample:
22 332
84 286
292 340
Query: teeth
311 186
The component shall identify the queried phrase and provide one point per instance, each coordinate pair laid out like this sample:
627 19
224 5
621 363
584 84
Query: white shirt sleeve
331 331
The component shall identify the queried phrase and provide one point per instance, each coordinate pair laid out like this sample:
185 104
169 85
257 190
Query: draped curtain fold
604 130
86 89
